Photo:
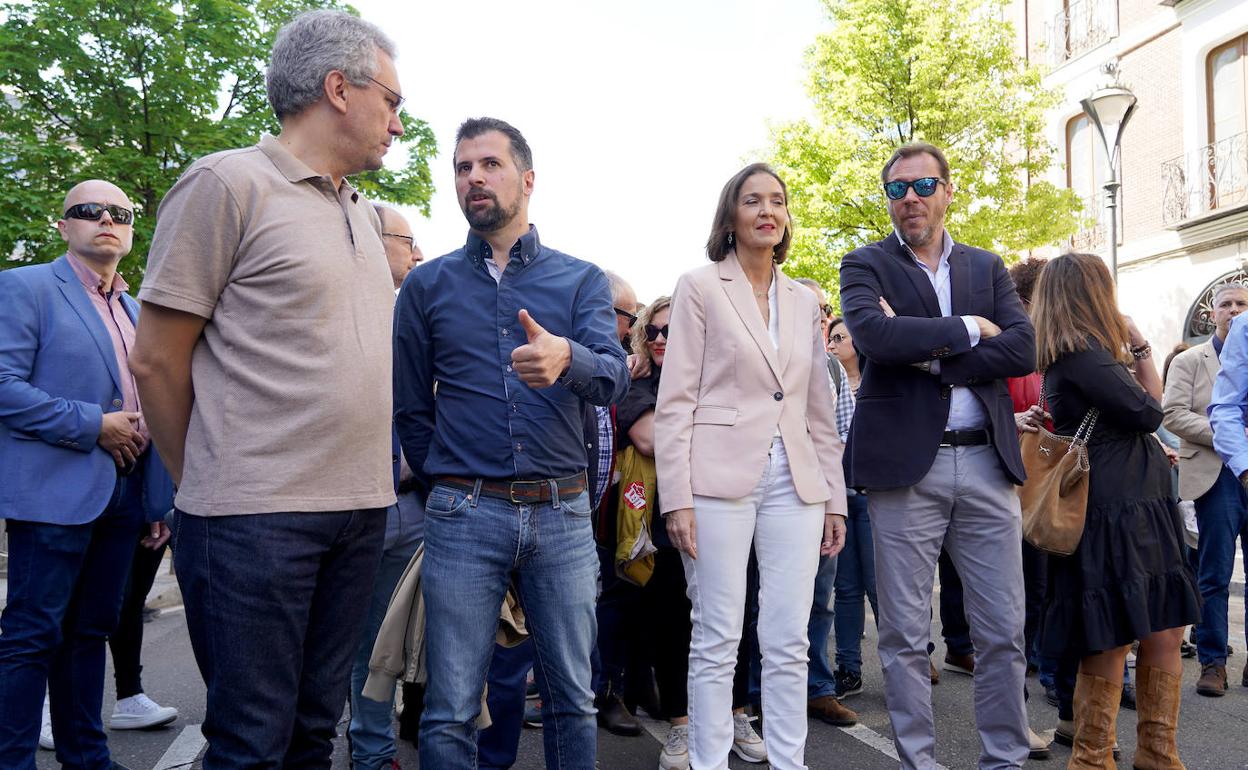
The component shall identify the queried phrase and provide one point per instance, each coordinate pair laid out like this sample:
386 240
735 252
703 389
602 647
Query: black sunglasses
653 332
632 319
896 190
93 212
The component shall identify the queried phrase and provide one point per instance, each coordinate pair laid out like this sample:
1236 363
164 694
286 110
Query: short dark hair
917 148
1025 274
717 246
834 320
474 127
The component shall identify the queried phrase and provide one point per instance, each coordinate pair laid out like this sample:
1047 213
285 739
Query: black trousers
126 643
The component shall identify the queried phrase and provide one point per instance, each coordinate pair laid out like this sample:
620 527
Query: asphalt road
1213 732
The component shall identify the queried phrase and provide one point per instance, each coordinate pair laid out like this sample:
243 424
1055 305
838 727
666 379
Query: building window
1085 173
1228 89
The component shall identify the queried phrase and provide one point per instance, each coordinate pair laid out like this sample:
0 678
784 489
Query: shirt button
506 331
778 396
519 447
117 403
509 367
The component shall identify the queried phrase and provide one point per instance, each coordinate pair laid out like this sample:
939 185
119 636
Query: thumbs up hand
544 359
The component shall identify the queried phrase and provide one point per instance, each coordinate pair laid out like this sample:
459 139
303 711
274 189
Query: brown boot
1157 694
828 709
1096 723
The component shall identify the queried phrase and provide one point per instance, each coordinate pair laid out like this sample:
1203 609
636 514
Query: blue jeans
819 678
474 548
371 732
66 584
498 744
1222 515
855 578
275 605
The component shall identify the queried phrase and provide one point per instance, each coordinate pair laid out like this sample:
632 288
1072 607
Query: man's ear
335 88
528 182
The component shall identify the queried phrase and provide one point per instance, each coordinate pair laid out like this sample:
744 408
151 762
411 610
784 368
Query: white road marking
184 749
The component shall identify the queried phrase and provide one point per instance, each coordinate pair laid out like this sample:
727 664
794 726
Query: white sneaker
745 742
675 754
45 728
140 711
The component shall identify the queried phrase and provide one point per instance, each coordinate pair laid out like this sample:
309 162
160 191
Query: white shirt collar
946 249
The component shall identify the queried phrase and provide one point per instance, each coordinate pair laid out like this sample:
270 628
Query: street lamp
1109 109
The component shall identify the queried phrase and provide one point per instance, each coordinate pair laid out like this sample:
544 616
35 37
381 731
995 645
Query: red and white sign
635 496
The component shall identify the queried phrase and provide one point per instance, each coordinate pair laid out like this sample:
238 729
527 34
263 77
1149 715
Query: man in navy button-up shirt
512 337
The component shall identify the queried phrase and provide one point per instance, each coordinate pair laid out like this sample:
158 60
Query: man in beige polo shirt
263 361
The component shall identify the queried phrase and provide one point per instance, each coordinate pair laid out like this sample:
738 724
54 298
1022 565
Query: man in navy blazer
77 478
939 328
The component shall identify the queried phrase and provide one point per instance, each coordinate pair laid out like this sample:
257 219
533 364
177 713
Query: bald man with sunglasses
78 478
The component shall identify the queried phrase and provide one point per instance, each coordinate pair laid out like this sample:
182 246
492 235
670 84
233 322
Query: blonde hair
643 318
1074 303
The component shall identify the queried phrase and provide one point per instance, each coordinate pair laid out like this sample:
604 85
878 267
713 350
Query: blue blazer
58 376
901 411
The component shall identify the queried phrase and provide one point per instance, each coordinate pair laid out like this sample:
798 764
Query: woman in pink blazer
748 454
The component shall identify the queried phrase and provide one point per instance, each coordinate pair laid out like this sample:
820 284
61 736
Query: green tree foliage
940 71
133 91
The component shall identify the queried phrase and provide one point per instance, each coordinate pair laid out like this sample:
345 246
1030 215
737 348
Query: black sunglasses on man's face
95 211
632 319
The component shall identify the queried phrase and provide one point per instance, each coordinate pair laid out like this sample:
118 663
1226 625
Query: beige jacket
726 387
1189 386
399 652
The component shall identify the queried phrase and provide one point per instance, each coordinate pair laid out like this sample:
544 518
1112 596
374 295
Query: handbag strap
1084 433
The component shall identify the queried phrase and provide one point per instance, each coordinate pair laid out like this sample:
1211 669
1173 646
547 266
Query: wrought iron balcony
1079 27
1207 179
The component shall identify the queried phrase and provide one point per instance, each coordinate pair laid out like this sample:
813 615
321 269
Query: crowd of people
499 472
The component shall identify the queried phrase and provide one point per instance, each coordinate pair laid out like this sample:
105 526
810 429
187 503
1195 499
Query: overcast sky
637 112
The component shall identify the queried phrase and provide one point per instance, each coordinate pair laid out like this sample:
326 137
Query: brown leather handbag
1054 498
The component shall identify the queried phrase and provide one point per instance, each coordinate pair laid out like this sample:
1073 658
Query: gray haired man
263 360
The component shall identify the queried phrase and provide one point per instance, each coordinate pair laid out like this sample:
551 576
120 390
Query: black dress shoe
614 717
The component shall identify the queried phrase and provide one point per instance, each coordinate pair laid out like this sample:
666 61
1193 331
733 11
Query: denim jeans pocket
577 505
446 501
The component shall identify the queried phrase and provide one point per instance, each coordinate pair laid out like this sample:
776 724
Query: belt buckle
511 490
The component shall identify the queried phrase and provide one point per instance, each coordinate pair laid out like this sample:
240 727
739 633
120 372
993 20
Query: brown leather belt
537 491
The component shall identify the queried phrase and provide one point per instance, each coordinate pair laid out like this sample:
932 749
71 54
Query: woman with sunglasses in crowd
748 453
665 609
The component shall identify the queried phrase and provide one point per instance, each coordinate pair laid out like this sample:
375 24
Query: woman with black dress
1128 579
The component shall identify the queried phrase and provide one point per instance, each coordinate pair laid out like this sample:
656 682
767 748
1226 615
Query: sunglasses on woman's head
896 190
653 332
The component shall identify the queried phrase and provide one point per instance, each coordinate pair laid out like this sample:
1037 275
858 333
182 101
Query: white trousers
785 533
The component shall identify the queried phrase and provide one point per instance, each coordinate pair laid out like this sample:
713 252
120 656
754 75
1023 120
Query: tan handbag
1055 496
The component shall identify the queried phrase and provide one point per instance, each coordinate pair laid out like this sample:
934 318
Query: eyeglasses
398 98
896 190
93 212
653 332
407 239
838 338
632 319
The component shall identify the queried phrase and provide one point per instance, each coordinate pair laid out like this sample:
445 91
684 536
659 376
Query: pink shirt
120 329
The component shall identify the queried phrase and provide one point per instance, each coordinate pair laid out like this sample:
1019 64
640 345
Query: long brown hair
1074 302
718 246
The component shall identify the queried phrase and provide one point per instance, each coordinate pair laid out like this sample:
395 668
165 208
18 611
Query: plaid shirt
606 453
844 402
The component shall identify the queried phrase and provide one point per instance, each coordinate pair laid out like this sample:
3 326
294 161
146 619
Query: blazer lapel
737 287
959 282
76 296
917 276
1210 357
